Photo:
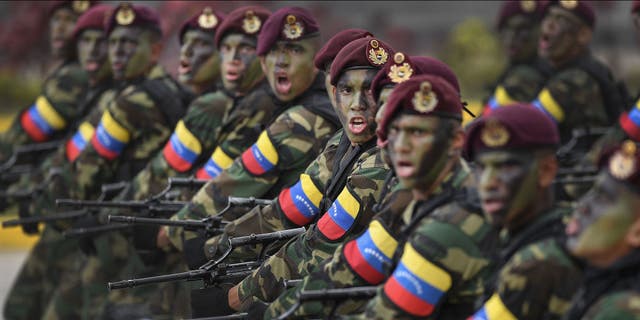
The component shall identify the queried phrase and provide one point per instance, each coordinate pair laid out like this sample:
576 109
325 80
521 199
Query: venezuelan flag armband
630 122
493 309
341 215
261 157
218 161
42 120
371 252
110 137
499 99
301 202
547 104
182 149
79 141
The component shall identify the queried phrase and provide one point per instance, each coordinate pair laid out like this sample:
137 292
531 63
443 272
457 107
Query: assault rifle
215 271
338 295
13 165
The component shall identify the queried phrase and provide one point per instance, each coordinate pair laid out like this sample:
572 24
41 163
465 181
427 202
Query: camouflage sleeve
537 283
623 305
275 160
194 136
573 99
521 83
51 114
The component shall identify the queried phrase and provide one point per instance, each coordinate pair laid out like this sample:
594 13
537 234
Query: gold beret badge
494 134
207 20
623 163
292 29
251 23
425 100
125 15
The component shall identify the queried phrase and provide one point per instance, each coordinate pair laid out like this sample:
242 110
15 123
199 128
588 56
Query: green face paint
129 52
93 54
382 102
418 148
558 34
240 65
355 105
601 219
199 63
507 185
519 37
289 67
60 30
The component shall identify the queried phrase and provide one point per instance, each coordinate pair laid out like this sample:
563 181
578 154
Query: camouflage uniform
281 152
370 258
53 113
520 82
623 305
536 277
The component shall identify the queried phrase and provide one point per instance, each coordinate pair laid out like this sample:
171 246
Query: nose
282 60
488 179
400 144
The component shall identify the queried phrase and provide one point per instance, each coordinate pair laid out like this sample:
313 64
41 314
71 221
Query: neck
573 55
542 203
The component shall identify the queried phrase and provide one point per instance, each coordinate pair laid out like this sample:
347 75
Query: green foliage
16 92
474 53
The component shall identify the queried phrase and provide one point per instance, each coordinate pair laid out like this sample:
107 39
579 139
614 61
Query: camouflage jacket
349 213
53 113
282 151
579 95
519 83
609 291
446 242
539 277
215 130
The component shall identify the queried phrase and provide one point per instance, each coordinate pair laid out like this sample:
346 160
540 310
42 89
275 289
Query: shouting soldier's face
131 52
519 37
240 65
93 53
289 67
601 222
60 30
559 35
199 63
355 104
419 148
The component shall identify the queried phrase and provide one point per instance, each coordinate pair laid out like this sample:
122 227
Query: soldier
581 93
519 26
514 151
286 46
59 104
343 183
604 231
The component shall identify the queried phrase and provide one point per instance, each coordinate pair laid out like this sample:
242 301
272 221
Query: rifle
580 142
47 218
338 295
215 271
27 149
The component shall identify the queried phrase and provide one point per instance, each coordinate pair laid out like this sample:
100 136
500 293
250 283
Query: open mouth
404 169
283 84
544 41
58 42
232 75
357 125
117 65
185 67
92 65
492 205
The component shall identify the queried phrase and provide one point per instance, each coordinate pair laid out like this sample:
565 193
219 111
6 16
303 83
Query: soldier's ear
584 36
263 64
547 170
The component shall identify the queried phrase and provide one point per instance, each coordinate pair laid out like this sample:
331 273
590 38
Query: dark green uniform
519 83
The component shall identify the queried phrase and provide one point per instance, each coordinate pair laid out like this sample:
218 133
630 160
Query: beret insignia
569 4
207 19
401 71
251 23
377 54
292 29
528 5
494 134
425 100
125 15
623 163
80 6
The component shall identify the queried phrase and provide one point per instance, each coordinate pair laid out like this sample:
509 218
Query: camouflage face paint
329 88
602 218
240 65
60 29
558 34
93 53
507 185
356 107
199 63
382 102
519 38
129 52
289 67
418 149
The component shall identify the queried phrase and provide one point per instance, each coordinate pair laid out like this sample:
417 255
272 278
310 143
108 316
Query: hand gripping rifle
215 271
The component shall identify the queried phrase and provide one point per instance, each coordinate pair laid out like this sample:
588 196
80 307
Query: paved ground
10 263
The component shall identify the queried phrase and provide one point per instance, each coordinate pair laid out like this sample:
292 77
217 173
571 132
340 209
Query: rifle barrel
266 237
338 294
83 232
47 218
133 204
188 275
162 222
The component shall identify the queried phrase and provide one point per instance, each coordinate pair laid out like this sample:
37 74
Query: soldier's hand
162 240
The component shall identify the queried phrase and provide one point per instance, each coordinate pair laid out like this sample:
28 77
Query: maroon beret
245 20
328 52
133 15
402 67
288 23
518 126
421 95
77 6
92 19
635 6
622 162
510 8
207 20
582 9
361 53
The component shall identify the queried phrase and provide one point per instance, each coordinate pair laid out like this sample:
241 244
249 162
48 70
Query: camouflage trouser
50 258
